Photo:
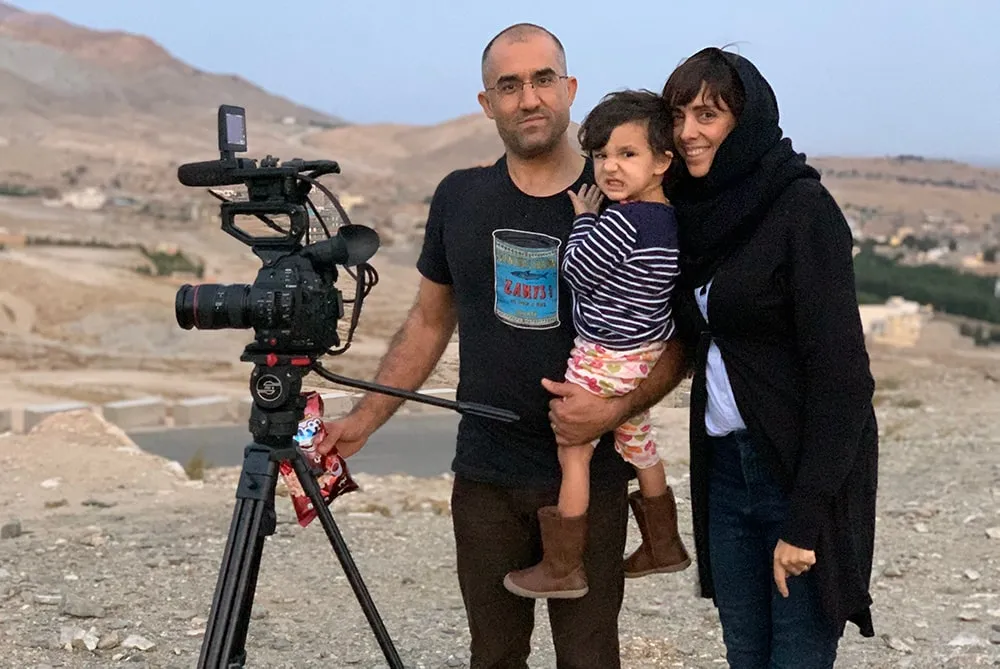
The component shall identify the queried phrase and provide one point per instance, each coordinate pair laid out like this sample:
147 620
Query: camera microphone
209 173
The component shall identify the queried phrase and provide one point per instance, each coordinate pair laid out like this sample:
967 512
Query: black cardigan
784 314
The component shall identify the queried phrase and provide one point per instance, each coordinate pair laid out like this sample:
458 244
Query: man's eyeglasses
511 87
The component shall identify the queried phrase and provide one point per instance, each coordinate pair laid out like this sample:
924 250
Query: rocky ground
110 555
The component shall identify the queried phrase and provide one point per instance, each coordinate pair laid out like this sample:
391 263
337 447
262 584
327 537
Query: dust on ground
114 553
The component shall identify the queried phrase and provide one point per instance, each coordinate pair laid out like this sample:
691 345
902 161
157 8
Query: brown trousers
496 530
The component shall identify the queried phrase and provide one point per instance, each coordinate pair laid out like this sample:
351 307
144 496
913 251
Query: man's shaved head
531 110
522 32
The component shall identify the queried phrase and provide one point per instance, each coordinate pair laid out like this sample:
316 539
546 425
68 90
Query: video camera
294 305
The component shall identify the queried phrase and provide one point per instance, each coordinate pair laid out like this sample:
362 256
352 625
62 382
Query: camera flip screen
236 132
232 129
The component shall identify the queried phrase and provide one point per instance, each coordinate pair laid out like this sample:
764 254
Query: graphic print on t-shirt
526 269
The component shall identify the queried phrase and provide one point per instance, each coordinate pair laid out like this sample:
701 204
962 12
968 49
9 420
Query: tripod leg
311 488
225 632
237 654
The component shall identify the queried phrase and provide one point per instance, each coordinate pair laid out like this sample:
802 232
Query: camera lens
213 306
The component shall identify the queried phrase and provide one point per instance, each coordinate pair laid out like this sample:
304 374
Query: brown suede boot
662 550
560 574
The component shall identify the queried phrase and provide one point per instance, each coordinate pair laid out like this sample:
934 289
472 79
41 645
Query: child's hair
622 107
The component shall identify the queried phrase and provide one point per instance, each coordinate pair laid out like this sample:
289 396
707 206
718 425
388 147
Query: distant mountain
115 111
50 67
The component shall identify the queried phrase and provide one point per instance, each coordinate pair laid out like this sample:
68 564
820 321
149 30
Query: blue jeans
760 628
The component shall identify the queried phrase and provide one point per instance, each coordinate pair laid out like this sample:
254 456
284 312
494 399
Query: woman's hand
789 559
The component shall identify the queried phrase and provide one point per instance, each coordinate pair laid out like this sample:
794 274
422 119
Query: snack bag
330 470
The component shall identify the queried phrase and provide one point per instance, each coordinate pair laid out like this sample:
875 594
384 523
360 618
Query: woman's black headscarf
752 167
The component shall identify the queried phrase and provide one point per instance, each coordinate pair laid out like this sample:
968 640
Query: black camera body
294 305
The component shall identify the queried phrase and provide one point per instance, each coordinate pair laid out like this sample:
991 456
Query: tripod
277 408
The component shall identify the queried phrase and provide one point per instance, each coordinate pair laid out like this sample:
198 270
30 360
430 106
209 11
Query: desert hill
116 112
50 67
82 107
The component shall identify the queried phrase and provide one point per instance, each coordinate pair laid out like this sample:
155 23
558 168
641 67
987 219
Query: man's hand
578 416
414 350
347 434
789 559
587 201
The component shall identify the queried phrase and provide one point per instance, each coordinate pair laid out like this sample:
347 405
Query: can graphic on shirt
526 272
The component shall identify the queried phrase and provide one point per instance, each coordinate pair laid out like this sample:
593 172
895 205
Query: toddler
621 265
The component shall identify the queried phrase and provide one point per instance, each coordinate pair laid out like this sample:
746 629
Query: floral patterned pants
610 373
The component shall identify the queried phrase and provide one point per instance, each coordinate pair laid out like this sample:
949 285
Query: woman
784 444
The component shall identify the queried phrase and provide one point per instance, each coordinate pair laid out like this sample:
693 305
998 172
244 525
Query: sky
852 77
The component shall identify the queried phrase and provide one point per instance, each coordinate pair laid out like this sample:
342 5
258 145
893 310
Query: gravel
117 563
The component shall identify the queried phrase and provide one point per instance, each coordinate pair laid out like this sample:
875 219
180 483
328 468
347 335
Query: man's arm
578 416
413 352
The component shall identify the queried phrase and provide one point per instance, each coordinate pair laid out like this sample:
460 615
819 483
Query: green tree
944 288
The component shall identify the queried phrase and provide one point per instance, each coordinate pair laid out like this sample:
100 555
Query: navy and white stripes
622 267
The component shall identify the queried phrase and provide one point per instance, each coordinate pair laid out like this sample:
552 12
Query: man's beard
535 145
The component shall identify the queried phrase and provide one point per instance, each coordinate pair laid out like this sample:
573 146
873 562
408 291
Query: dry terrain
113 559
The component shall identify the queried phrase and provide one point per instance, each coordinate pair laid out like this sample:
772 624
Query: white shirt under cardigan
721 413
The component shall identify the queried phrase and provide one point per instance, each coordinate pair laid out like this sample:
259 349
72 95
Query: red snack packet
330 470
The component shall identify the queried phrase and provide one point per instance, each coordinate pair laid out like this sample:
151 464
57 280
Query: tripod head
278 404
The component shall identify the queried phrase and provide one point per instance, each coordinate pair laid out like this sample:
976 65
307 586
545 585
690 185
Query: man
490 265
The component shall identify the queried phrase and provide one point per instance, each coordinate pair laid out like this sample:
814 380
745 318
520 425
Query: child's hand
588 200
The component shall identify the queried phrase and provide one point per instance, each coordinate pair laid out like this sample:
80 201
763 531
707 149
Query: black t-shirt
501 250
